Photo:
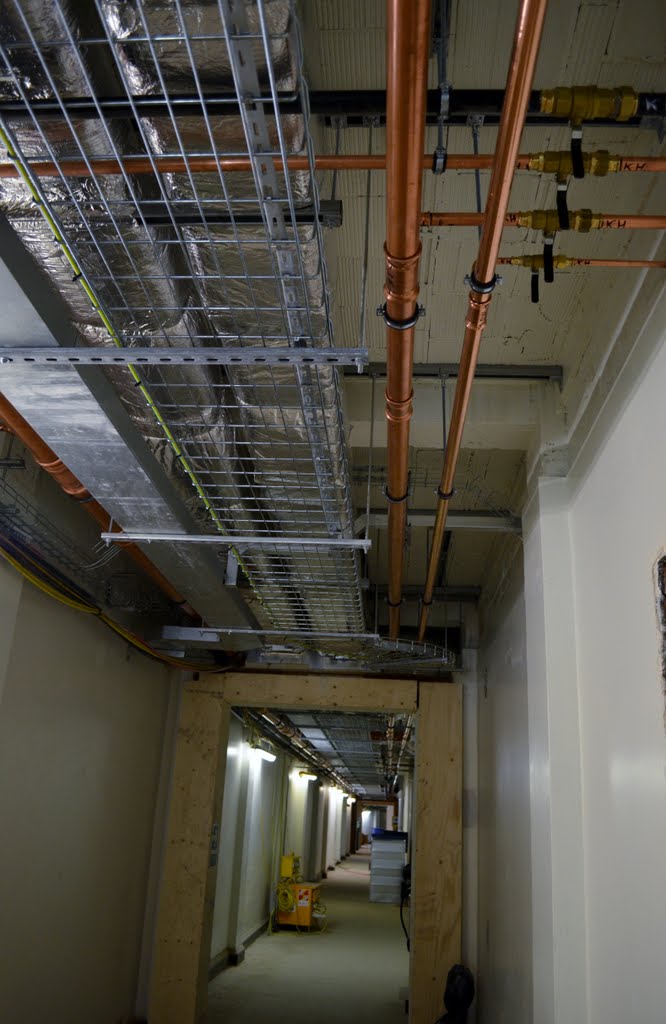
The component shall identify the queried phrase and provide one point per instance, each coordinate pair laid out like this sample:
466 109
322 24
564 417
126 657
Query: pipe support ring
401 325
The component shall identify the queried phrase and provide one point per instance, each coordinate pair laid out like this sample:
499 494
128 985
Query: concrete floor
353 970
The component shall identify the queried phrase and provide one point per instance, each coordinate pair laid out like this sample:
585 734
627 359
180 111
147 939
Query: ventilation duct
247 450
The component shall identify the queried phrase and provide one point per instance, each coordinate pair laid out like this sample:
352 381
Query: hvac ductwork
248 450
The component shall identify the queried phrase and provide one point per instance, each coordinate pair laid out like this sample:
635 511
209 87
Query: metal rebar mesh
174 261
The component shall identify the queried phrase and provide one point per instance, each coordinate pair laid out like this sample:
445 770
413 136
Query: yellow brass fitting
548 221
584 220
589 103
535 262
600 163
558 162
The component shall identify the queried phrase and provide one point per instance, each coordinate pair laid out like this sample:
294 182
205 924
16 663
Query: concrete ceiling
577 316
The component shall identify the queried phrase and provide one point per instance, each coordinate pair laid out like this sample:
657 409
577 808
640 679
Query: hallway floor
354 970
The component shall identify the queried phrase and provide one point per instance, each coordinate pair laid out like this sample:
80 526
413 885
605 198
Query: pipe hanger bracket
395 501
482 287
439 160
401 325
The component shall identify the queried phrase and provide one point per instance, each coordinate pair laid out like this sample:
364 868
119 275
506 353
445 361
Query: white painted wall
319 826
333 832
582 679
81 729
345 828
504 895
267 810
404 804
299 805
232 830
618 530
262 805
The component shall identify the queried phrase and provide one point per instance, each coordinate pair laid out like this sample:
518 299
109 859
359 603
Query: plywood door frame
442 755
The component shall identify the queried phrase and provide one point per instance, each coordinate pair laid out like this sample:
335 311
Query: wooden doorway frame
185 915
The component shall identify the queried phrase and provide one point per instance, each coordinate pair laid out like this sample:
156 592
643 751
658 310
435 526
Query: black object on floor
458 995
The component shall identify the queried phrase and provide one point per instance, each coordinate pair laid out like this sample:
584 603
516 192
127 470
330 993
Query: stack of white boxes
386 863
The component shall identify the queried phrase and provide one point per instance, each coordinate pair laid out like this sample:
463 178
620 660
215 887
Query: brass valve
560 163
548 221
535 262
589 103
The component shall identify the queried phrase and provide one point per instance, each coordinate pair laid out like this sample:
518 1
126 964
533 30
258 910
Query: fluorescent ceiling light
308 776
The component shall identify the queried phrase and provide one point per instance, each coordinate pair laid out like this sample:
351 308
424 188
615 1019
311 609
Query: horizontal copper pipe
45 457
230 164
600 221
527 38
564 262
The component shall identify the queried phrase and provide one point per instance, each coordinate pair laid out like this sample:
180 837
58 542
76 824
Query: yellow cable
89 609
45 571
79 606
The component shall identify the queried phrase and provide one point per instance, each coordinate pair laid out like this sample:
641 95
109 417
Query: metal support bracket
245 541
213 634
156 356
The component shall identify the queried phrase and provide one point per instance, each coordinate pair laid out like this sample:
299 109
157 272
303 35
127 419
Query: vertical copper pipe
527 38
45 457
407 41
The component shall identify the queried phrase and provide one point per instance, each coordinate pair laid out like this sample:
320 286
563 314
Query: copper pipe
407 52
70 484
564 262
521 219
230 164
527 38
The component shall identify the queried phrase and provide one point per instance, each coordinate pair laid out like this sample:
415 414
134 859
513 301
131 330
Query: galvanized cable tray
264 444
368 648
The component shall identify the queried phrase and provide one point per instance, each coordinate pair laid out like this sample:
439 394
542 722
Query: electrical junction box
287 866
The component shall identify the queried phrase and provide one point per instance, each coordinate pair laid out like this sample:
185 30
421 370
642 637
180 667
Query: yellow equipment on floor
296 902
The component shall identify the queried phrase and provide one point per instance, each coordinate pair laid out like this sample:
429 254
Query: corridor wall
82 723
572 767
618 533
504 893
250 843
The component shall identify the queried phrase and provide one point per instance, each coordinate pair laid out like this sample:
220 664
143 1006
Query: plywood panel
436 903
343 693
185 918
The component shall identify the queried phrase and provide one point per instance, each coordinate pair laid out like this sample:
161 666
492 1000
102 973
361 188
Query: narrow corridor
353 970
